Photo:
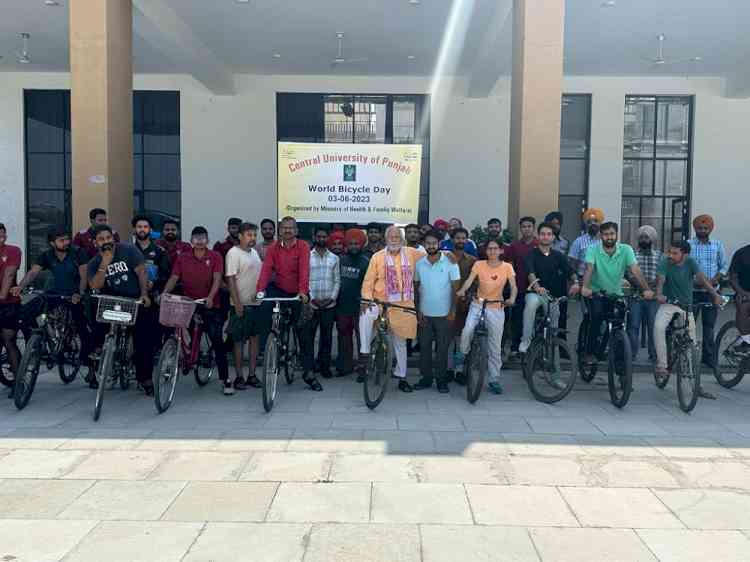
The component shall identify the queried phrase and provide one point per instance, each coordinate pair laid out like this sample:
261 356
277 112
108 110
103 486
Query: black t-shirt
353 270
553 270
157 264
121 278
741 266
66 277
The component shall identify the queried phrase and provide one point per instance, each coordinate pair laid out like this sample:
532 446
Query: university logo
350 172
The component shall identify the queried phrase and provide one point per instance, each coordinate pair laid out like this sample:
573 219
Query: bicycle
730 366
476 364
114 361
187 349
278 353
615 342
549 371
380 361
54 339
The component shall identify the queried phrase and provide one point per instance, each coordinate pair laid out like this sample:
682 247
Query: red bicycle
187 349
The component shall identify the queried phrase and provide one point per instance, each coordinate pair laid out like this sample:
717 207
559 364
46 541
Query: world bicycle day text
314 188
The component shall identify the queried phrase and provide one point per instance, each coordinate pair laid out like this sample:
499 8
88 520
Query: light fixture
415 2
23 56
51 3
277 55
609 3
411 57
242 1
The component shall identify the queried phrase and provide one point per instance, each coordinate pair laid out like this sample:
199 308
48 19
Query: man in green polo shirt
606 265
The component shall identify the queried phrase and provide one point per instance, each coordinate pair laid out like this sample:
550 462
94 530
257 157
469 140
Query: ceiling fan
659 60
23 56
340 59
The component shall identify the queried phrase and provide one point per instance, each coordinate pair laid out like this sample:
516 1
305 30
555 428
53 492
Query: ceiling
244 37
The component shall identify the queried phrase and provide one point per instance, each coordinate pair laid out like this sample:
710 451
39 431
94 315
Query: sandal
253 381
313 384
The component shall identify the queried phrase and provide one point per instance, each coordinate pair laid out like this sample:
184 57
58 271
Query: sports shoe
404 386
555 380
239 384
524 347
442 387
228 388
742 348
423 383
495 388
460 378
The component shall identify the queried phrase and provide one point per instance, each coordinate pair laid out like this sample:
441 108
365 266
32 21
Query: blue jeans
641 310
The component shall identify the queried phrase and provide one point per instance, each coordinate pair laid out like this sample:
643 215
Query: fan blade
680 61
360 59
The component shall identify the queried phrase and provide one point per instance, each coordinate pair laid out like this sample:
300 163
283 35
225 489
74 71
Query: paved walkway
427 477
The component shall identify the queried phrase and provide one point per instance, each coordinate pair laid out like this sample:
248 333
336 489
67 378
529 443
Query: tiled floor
427 477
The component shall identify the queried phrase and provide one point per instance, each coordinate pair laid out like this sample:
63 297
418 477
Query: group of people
437 270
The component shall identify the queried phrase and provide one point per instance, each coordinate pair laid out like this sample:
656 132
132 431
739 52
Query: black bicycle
476 364
54 339
278 355
549 371
730 364
381 355
614 344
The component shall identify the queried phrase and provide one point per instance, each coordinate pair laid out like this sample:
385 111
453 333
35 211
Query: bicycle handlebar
262 297
98 296
390 305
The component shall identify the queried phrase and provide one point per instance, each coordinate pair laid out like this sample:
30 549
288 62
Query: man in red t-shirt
10 261
516 254
86 239
170 242
200 272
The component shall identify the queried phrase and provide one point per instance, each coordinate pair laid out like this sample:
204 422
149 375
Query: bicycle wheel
588 372
104 373
688 372
166 374
204 367
475 369
729 367
620 368
378 373
550 376
69 359
5 368
270 371
290 357
28 371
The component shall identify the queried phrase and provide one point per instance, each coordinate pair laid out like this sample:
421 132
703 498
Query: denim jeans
533 302
641 310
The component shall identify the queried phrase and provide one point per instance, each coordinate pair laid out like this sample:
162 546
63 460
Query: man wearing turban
648 257
712 260
353 265
336 243
592 220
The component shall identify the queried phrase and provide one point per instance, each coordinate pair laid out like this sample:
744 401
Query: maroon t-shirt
516 254
197 274
175 249
9 256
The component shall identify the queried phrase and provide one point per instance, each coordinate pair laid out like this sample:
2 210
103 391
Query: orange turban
338 235
355 234
596 214
705 220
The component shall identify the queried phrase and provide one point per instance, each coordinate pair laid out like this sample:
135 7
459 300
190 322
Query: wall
229 154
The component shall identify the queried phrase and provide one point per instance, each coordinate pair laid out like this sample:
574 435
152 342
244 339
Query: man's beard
609 243
593 229
320 244
170 237
644 245
432 251
142 237
459 246
394 247
107 247
354 251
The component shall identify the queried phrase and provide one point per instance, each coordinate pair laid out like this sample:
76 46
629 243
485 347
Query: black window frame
576 221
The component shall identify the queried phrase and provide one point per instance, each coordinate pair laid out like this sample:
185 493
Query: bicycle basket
117 310
175 311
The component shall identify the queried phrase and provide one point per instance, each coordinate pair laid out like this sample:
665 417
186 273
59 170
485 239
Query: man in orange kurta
390 278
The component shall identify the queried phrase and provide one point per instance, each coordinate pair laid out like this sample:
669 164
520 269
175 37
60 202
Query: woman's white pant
367 333
495 321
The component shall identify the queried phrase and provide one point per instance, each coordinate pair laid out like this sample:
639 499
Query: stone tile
364 543
420 503
199 465
637 474
470 443
709 509
684 428
268 542
117 465
264 439
696 546
285 467
459 470
27 463
133 501
106 439
332 440
35 438
532 506
547 445
376 468
563 426
301 421
323 503
547 472
128 541
619 425
430 422
507 407
222 501
719 474
39 499
182 440
363 421
499 424
40 540
449 543
689 447
617 446
619 507
325 405
589 545
401 442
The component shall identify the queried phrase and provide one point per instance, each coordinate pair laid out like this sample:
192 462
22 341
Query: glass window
575 126
404 121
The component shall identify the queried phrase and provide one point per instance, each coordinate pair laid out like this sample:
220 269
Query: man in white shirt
325 281
243 265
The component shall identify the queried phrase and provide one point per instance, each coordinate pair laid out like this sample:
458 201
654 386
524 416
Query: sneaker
449 376
228 388
495 387
326 373
460 378
312 382
361 378
555 380
254 382
524 347
149 390
239 384
742 348
442 387
423 383
404 386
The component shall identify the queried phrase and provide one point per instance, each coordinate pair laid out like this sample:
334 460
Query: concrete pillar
538 27
101 106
